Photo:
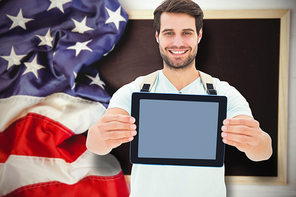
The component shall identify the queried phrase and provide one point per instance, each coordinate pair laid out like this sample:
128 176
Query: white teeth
178 52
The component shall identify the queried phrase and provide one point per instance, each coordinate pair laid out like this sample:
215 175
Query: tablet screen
178 129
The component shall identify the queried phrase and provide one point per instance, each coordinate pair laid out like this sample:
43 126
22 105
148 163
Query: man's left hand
242 132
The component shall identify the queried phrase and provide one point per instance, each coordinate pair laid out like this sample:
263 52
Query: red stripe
91 186
37 135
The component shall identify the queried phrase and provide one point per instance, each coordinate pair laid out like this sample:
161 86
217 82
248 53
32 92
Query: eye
187 33
168 33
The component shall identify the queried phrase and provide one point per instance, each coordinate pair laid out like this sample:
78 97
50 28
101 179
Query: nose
178 40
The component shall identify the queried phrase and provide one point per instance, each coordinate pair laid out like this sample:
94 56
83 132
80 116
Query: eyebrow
166 30
189 30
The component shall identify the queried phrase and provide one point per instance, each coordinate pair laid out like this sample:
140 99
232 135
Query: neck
180 78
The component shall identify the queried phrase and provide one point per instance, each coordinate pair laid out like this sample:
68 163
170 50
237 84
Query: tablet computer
178 129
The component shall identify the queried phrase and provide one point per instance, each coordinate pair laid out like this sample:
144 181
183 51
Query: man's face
178 40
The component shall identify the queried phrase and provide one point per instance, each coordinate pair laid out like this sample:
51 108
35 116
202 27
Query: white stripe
75 113
19 171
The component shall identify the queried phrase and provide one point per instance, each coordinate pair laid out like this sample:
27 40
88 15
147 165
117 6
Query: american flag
50 95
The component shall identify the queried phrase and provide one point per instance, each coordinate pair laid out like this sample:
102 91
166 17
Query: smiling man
178 41
178 25
179 46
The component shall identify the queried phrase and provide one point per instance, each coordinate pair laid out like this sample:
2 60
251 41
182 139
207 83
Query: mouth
178 52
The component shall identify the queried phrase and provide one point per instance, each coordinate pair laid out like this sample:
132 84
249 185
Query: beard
177 63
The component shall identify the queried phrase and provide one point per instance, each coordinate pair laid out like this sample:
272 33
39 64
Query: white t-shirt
169 180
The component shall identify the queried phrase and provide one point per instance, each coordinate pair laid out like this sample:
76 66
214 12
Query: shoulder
224 88
135 86
122 97
236 102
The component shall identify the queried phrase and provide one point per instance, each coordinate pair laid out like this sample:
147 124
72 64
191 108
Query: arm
245 134
115 127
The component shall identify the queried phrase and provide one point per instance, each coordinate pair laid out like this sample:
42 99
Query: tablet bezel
220 148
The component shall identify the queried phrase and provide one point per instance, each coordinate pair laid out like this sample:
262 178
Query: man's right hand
115 127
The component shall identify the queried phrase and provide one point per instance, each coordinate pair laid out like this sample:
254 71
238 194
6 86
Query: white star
115 17
13 59
19 20
81 27
58 3
109 51
80 46
46 40
74 85
96 81
33 67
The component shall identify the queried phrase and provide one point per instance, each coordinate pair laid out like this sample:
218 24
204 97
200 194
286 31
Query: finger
118 142
240 139
239 146
118 117
116 135
249 122
240 130
116 125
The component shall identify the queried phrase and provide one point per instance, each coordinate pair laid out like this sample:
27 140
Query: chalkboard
247 52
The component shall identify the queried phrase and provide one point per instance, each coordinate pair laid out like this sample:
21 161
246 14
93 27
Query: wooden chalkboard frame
284 16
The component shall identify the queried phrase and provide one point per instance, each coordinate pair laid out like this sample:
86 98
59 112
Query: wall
288 190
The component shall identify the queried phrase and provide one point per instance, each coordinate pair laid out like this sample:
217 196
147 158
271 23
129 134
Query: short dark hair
179 6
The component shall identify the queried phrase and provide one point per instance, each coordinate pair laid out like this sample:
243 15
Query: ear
200 35
156 37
